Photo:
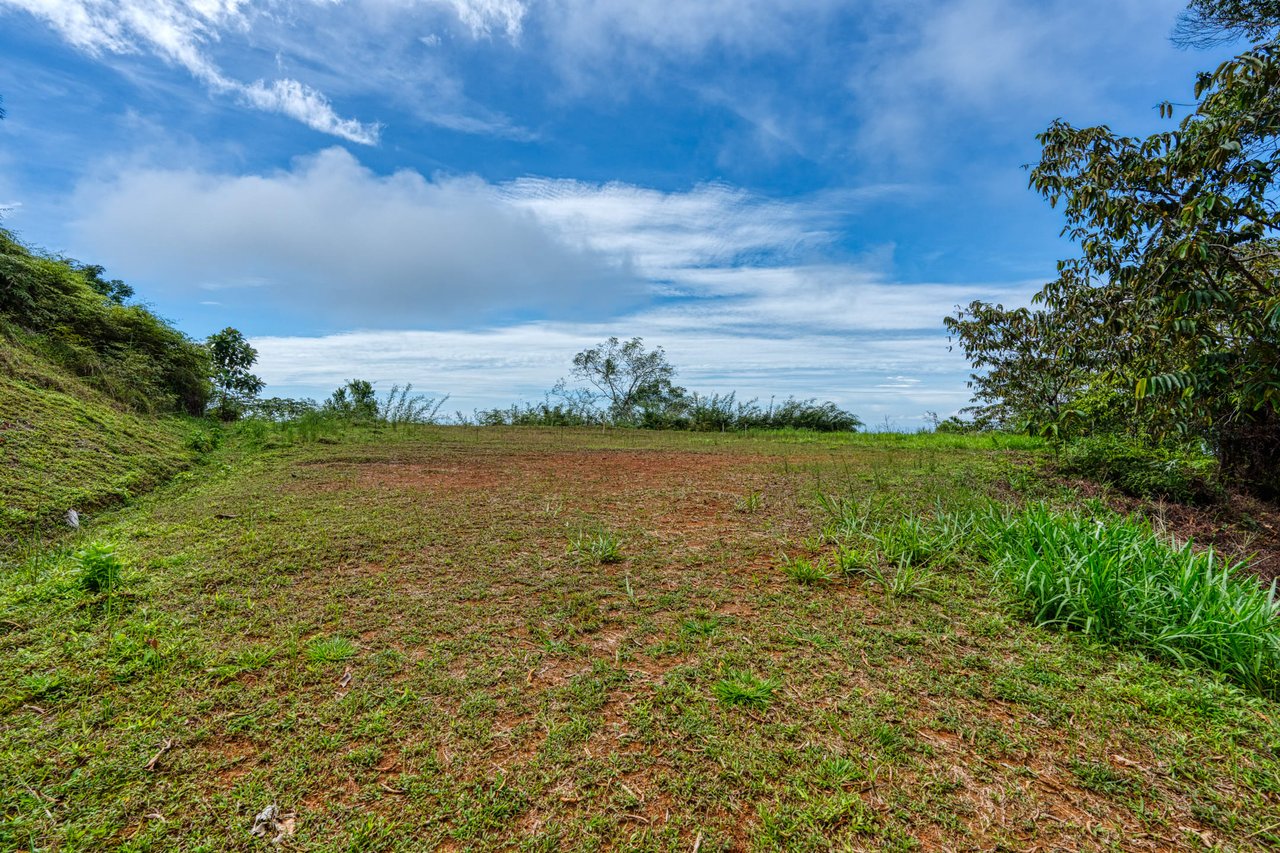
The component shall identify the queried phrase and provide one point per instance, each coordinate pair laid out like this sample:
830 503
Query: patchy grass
386 637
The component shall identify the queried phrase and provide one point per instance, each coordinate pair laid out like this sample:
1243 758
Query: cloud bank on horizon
788 196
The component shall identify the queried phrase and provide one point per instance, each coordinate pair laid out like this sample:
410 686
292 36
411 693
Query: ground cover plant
390 638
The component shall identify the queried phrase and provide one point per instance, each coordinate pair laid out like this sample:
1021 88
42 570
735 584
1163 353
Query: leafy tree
356 400
115 289
628 376
1175 290
1033 366
232 357
1207 23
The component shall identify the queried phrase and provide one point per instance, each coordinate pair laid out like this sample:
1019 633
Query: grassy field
466 638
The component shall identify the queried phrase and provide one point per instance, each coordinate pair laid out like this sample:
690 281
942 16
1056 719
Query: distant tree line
627 385
75 316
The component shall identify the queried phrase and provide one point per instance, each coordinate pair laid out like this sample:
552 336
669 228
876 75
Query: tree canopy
234 385
1175 293
627 375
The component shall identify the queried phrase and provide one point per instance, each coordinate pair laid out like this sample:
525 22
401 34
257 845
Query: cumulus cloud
744 291
178 32
344 247
333 242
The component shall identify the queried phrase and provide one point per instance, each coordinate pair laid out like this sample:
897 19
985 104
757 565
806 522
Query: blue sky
787 195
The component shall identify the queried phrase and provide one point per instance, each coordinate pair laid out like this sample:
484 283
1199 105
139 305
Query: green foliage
805 570
599 546
279 409
745 689
1174 295
98 568
630 378
357 402
1207 23
235 386
402 407
1142 469
1118 581
204 439
68 314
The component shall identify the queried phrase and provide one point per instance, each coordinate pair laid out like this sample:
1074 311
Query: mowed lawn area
472 639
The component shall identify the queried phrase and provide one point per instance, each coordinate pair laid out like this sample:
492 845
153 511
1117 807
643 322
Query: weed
855 561
805 570
750 502
98 568
331 649
1118 581
599 546
745 689
204 439
700 627
905 580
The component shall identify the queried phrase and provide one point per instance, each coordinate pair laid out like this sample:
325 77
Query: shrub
1144 470
1118 581
98 568
204 440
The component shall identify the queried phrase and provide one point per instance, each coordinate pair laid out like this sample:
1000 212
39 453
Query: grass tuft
745 689
750 502
805 570
599 546
331 649
1117 580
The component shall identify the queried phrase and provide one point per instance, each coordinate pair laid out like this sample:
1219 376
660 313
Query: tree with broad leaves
628 376
1178 276
235 386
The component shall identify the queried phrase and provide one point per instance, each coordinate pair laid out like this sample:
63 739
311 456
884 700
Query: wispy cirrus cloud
179 33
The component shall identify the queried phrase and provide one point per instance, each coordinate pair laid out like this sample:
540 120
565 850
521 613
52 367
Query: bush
1144 470
98 568
1118 581
67 313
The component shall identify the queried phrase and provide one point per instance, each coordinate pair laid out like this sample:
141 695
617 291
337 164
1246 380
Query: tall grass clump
1118 581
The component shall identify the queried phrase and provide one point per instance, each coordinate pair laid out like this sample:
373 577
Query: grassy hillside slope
66 446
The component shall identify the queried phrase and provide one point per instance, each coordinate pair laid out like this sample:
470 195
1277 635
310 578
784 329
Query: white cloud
482 17
334 243
178 32
300 102
925 66
745 292
493 367
342 247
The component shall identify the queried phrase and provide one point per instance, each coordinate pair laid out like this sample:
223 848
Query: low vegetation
565 638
